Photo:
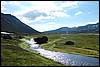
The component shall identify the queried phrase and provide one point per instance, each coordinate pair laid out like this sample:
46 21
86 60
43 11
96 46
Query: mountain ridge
10 23
89 28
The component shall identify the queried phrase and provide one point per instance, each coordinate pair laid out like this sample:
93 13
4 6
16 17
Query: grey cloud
34 14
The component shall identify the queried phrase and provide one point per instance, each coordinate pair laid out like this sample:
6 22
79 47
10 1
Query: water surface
64 58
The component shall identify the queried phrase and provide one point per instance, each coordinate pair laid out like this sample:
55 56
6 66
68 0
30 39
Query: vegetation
84 44
13 55
6 36
15 52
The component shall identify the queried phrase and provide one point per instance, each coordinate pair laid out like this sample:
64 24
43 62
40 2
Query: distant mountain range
10 23
89 28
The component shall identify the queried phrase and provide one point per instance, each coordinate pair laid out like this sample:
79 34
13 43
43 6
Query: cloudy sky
50 15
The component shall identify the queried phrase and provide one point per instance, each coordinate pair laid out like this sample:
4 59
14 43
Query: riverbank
85 44
64 58
13 55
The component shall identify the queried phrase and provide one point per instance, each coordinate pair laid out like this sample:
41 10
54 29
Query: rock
41 40
69 43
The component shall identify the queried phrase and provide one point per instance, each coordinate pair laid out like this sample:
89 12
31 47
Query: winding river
64 58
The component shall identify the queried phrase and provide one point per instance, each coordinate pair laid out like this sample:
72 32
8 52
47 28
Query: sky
51 15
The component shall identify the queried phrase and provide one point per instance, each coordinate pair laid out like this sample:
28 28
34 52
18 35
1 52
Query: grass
17 53
87 45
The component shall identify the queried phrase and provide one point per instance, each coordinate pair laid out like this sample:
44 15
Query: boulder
41 40
69 43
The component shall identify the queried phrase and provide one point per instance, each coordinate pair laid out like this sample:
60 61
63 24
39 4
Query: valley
81 40
85 44
14 52
56 43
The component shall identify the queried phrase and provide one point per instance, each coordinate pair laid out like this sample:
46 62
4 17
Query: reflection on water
64 58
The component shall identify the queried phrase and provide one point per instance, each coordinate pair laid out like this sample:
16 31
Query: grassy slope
13 55
87 45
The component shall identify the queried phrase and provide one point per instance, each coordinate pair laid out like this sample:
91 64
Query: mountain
89 28
63 29
10 23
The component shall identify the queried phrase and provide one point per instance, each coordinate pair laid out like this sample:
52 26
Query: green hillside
10 23
13 55
85 44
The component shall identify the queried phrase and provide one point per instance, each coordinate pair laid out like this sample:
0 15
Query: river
64 58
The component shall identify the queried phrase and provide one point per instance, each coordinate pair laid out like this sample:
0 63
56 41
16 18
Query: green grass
14 55
26 46
17 53
87 45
